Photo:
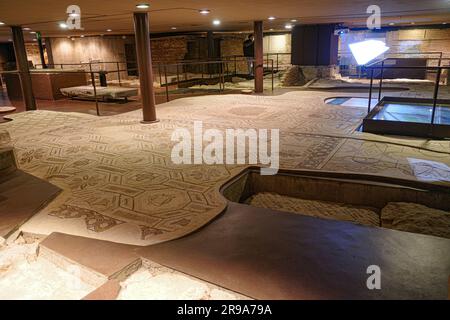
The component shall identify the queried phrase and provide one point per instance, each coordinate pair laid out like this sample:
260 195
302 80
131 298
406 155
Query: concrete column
259 57
22 67
48 47
144 59
41 49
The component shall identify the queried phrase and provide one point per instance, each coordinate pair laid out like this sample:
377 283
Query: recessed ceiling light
174 28
1 23
204 11
392 23
271 29
34 39
143 6
216 22
108 30
444 22
294 20
82 36
271 18
63 25
26 29
413 22
73 39
10 40
124 37
288 26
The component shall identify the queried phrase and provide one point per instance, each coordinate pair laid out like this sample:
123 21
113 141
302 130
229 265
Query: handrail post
95 90
160 75
167 84
435 95
381 81
370 91
118 74
272 75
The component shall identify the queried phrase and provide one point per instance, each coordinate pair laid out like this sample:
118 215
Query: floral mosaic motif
94 221
148 232
29 156
85 181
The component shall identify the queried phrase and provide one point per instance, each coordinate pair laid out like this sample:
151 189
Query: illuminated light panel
368 50
143 6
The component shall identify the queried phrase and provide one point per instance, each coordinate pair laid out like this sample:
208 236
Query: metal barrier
437 54
382 66
221 66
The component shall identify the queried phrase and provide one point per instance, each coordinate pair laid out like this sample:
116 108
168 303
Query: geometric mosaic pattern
119 183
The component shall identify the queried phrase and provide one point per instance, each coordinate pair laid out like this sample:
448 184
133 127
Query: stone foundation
301 75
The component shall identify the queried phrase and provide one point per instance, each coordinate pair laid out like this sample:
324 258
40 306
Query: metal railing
430 56
381 65
221 66
218 69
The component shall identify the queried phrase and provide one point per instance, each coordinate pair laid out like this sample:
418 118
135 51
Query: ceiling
235 15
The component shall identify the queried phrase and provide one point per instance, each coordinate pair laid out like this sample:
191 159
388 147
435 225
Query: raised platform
102 92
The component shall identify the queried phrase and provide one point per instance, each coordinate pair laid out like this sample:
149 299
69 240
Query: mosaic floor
120 184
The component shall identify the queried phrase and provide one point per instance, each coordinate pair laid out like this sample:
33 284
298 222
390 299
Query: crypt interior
359 121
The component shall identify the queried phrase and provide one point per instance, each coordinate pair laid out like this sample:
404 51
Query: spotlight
288 26
26 29
32 32
63 25
294 20
174 28
204 11
271 18
108 30
82 36
1 23
368 50
216 22
143 6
